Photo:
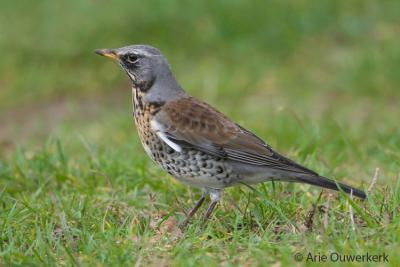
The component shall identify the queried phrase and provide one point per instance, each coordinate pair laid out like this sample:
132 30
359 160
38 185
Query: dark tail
330 184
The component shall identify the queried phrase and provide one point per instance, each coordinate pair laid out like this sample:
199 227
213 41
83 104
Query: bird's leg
215 196
195 208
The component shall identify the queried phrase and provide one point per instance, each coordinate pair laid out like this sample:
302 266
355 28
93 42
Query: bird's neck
164 88
141 105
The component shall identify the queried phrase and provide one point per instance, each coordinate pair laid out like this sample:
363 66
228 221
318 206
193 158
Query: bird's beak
107 53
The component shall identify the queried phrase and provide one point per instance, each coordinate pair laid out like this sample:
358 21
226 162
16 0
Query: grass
318 81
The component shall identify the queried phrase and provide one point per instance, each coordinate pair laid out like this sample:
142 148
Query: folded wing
190 123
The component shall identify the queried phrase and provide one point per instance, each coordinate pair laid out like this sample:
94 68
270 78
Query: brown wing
191 123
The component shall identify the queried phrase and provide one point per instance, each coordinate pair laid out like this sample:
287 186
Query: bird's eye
132 58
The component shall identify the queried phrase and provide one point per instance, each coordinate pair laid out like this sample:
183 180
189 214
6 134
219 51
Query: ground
319 83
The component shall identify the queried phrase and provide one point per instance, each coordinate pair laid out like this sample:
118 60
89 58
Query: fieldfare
196 143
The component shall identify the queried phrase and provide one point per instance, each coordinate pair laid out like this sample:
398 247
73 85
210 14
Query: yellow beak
107 53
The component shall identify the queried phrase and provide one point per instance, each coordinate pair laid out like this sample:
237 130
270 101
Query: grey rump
193 141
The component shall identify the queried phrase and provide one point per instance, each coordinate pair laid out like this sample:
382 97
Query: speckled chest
189 166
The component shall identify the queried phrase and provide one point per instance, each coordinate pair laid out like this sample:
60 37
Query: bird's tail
331 184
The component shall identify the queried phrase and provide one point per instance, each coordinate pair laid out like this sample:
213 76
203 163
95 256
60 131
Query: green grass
319 82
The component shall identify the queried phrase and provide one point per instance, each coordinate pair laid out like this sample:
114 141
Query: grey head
148 70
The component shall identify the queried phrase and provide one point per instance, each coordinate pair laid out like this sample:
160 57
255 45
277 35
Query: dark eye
132 58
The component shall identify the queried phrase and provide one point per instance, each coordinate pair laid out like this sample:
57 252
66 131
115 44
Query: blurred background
318 80
309 74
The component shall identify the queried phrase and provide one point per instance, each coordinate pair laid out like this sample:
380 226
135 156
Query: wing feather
190 123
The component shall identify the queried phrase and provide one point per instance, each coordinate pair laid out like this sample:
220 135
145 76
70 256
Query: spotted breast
190 166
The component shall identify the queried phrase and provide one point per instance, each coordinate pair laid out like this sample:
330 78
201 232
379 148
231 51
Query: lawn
318 81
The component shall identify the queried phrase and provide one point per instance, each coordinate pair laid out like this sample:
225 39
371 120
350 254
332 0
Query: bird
196 143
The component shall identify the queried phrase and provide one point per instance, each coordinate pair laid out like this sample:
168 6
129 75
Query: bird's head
146 67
